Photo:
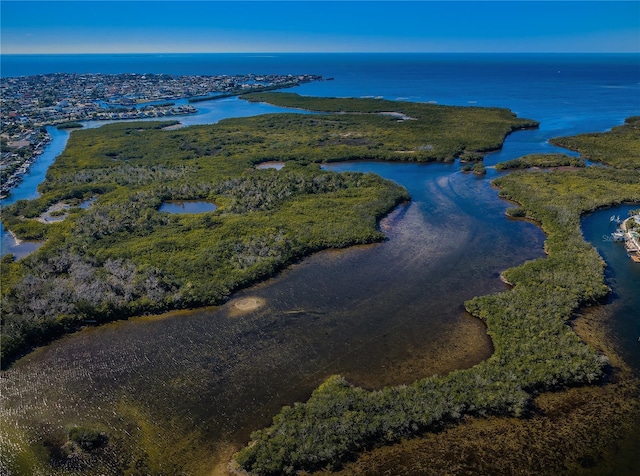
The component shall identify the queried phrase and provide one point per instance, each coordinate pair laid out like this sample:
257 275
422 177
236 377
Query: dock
629 232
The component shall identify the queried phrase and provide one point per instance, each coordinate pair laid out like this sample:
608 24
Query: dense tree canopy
619 147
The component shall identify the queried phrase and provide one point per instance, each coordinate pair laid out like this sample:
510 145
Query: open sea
380 315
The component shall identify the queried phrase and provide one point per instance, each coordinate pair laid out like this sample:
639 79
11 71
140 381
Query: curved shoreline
16 240
608 410
540 357
339 383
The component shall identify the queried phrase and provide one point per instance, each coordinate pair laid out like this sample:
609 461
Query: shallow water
382 314
209 112
187 206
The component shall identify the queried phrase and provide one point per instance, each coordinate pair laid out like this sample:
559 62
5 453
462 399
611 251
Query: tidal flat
586 431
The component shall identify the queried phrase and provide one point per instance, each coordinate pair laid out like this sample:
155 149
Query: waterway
187 206
623 276
384 314
27 189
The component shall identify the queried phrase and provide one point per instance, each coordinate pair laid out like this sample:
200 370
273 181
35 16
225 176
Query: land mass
535 349
619 147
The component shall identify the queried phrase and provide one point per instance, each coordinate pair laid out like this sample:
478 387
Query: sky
96 26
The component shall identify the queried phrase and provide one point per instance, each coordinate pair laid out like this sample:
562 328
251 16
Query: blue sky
321 26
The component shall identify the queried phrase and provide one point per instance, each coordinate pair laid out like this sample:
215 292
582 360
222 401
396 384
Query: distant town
29 103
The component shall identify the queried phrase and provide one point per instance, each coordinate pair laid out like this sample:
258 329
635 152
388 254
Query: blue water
27 190
568 94
623 276
209 112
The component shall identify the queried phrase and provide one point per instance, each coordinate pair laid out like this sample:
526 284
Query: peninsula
535 350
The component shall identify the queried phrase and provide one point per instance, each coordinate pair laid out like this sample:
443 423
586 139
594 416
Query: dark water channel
623 276
382 314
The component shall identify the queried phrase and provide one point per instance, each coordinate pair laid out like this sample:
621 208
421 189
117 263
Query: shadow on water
382 314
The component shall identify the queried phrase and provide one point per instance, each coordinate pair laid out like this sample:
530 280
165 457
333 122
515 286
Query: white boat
618 235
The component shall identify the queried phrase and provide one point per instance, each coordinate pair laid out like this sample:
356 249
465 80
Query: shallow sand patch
247 304
54 214
16 240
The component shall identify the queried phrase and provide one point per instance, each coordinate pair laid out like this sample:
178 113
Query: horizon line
262 53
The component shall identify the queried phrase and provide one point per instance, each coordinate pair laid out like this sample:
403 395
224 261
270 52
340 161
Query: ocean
358 312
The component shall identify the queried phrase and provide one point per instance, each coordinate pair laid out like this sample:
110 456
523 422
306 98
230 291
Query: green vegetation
378 129
479 168
238 92
619 148
85 438
535 349
69 125
541 161
122 257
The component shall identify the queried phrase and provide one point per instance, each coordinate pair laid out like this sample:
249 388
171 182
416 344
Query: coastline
75 108
602 419
541 357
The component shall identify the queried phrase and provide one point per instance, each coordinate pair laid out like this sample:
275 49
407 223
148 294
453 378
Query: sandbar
247 304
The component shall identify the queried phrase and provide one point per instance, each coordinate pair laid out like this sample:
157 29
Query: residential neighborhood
28 103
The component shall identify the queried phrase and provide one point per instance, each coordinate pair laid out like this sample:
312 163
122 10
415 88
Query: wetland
196 383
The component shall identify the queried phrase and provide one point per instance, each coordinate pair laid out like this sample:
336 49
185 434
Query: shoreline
17 241
163 111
